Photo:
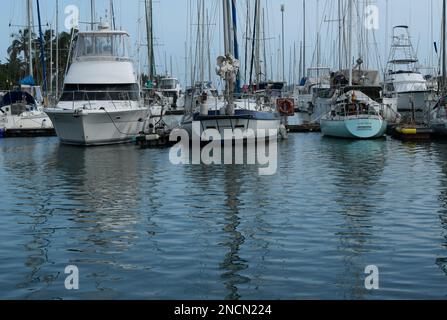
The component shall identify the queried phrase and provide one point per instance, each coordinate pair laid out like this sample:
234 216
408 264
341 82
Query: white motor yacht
100 103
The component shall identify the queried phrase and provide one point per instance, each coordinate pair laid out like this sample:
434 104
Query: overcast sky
171 25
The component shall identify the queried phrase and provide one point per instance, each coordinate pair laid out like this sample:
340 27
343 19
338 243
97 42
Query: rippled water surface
140 228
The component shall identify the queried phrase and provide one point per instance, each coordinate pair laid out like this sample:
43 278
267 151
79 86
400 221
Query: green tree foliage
16 66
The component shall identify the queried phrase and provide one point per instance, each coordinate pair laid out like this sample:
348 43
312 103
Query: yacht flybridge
100 103
403 81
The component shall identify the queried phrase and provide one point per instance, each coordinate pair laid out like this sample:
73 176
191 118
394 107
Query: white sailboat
100 103
230 115
21 110
21 115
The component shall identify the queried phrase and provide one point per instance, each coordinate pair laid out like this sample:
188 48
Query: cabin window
168 84
100 92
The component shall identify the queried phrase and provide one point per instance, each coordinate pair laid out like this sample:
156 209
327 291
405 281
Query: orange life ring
286 107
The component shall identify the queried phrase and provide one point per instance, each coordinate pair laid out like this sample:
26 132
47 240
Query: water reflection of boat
441 260
358 167
98 198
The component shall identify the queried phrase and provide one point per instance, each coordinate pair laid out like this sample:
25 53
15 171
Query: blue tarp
28 81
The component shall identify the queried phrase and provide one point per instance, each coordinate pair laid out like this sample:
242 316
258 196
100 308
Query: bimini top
15 97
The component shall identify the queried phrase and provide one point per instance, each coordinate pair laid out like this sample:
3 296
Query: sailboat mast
283 45
57 48
304 38
247 32
264 37
235 40
29 11
42 51
112 15
208 45
150 40
350 8
202 47
225 27
444 62
93 14
253 49
258 40
340 35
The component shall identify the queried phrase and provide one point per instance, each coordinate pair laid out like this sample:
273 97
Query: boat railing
350 110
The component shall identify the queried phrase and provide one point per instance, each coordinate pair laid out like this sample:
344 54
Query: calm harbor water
140 228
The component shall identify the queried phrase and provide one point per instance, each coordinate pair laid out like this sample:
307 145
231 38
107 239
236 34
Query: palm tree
20 46
19 56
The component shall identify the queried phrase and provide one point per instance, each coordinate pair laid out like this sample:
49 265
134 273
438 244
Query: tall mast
202 47
254 41
29 12
112 15
247 32
150 40
258 39
387 27
92 14
444 62
225 27
340 35
318 34
235 41
294 65
208 46
283 45
57 48
51 59
264 36
350 8
304 38
42 51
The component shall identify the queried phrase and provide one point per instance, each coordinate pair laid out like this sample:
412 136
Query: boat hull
249 123
357 128
409 101
98 127
39 121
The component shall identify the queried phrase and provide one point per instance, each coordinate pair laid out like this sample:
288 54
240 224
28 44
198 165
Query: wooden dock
28 133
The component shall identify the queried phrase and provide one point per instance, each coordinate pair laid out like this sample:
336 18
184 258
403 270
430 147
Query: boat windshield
168 84
102 45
